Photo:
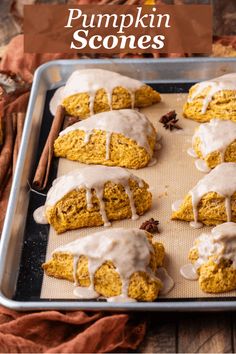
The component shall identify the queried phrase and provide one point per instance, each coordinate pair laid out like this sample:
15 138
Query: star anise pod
151 226
170 121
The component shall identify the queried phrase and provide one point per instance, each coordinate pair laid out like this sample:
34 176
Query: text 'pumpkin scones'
214 143
213 259
92 91
213 200
118 264
215 98
93 196
123 138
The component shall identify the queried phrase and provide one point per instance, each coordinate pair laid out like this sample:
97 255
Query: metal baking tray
22 249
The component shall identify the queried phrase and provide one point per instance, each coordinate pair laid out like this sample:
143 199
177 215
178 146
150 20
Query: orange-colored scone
213 200
215 98
92 91
215 142
213 259
94 196
122 138
122 265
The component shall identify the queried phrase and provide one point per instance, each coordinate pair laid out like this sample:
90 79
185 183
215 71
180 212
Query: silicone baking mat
169 180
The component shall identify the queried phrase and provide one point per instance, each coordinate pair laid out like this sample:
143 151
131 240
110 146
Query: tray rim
192 305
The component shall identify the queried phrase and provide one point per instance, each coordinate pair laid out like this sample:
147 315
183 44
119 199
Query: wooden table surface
190 333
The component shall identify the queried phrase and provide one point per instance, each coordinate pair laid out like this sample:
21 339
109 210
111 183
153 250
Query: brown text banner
111 29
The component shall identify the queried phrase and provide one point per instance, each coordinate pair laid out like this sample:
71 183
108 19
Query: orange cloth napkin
19 104
25 64
54 331
68 332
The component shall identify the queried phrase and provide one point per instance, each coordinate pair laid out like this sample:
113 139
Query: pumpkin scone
119 265
212 201
123 138
215 98
213 260
92 91
214 143
94 196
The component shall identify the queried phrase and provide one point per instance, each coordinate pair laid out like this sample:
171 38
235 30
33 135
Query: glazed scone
220 50
215 98
92 91
213 259
122 138
214 143
118 264
94 196
213 200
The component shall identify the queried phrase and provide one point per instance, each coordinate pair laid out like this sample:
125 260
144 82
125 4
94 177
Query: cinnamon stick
70 120
7 150
43 169
5 181
20 119
14 118
4 198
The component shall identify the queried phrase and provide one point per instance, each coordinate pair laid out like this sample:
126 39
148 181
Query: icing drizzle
216 135
222 180
90 81
225 82
128 122
128 249
88 178
220 244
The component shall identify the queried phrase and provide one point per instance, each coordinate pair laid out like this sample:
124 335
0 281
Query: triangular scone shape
122 138
94 196
212 99
115 262
213 200
213 259
92 91
215 142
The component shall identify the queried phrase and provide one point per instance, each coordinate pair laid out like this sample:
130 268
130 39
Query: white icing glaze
196 224
88 178
225 82
167 281
189 272
157 147
90 81
222 180
132 124
216 135
191 152
83 293
176 205
128 249
56 100
39 215
219 244
202 166
152 162
120 298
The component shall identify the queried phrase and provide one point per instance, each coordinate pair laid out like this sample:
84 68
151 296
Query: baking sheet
169 180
